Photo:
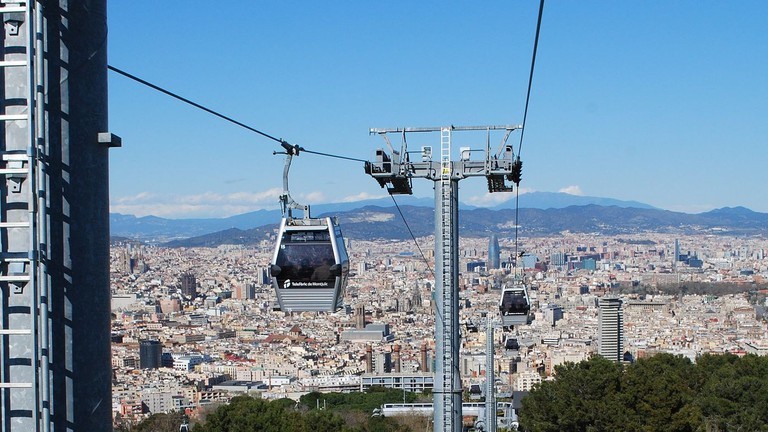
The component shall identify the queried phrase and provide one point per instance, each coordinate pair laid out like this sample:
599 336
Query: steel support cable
333 156
517 209
530 76
402 216
194 104
525 117
222 116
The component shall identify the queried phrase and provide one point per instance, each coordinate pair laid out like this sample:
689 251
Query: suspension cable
530 76
222 116
412 236
194 104
522 131
438 315
333 156
517 209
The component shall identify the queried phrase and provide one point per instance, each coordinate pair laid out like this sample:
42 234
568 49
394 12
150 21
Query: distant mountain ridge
373 222
153 227
383 221
557 200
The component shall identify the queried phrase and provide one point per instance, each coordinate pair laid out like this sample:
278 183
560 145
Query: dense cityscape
655 322
196 326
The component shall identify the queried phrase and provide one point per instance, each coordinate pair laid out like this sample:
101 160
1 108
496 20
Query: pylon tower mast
490 377
395 171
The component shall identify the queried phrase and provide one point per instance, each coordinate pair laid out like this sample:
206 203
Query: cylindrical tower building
494 252
54 208
78 213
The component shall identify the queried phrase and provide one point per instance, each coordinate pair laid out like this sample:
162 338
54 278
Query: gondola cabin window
306 260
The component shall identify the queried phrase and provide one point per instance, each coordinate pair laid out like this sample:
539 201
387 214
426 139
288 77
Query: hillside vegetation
661 393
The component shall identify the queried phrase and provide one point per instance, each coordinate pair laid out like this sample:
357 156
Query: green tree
657 392
734 392
585 396
322 421
244 413
160 423
661 393
344 413
366 402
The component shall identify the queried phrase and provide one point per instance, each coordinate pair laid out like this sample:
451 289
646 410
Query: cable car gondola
514 306
511 344
310 264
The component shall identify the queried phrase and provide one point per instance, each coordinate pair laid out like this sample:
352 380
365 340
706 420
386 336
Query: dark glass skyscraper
360 316
189 285
494 253
150 354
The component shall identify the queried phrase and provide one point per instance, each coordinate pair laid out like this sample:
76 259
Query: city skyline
632 101
233 343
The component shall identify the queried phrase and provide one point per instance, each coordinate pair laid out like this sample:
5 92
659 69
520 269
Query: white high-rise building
610 332
526 380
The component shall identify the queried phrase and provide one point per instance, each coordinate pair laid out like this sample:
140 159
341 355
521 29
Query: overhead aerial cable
515 304
530 76
194 104
517 167
412 236
282 142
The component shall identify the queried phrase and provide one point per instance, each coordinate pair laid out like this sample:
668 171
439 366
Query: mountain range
149 227
540 213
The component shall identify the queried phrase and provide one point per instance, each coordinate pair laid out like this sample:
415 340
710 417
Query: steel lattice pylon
394 170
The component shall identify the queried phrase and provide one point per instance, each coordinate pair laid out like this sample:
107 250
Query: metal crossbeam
437 129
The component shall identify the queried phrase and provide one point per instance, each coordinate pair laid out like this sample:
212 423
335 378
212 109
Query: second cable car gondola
511 344
310 264
514 305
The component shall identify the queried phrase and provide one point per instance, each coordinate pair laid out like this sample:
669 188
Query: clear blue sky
656 101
